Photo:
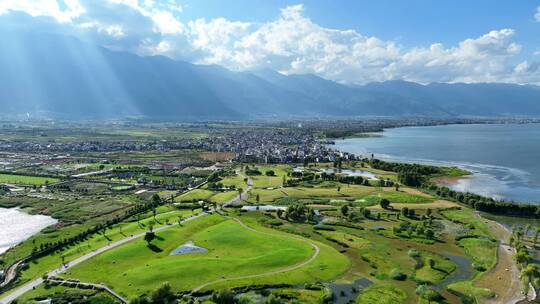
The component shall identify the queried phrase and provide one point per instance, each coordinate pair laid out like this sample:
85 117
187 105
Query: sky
351 42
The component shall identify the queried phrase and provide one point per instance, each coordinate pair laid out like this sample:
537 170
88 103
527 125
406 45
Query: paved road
32 284
36 282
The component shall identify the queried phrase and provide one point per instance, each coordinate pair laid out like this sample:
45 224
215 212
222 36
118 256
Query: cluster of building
264 145
97 146
275 146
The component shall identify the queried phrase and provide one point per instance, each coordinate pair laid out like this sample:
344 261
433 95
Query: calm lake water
505 158
17 226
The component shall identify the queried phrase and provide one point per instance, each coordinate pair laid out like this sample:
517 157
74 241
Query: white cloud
292 43
48 8
537 15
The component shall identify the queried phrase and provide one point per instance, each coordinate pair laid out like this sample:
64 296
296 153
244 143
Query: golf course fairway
236 252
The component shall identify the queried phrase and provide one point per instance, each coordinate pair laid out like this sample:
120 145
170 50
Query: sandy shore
449 181
503 279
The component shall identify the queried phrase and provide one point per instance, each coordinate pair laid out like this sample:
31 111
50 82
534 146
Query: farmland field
26 180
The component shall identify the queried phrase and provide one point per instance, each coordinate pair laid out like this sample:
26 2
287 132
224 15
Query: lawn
467 289
349 239
26 180
42 265
208 195
442 267
467 216
236 180
382 294
233 251
195 195
483 252
346 191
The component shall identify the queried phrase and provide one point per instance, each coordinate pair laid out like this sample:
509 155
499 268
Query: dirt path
287 269
83 285
10 274
438 204
503 279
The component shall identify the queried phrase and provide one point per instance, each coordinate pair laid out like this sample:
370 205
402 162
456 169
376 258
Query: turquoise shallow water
505 158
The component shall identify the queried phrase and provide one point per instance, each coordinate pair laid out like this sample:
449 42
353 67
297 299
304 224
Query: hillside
60 76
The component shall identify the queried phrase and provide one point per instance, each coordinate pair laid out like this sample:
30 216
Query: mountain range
65 77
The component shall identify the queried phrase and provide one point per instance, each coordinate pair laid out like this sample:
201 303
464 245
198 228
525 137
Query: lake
17 226
503 157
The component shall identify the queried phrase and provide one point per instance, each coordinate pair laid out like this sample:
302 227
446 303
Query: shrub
324 227
413 253
395 274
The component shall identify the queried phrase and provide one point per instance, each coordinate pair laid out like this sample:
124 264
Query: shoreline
450 180
501 180
20 225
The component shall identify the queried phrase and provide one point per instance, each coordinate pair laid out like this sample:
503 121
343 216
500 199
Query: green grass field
234 251
442 267
382 294
40 266
468 217
203 194
26 180
483 252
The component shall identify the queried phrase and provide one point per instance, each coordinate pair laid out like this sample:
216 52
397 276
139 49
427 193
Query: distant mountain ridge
68 78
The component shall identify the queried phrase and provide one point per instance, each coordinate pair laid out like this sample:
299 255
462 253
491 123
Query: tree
528 274
272 299
428 293
240 190
527 228
429 233
535 234
366 213
385 203
224 296
149 237
279 213
345 210
522 257
431 263
258 198
163 295
405 211
156 200
519 234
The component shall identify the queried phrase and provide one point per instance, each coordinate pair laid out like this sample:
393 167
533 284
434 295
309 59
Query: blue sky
411 23
346 41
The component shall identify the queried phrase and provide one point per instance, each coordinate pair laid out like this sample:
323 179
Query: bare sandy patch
503 279
438 204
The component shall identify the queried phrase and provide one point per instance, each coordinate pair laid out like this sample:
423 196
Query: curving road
36 282
16 293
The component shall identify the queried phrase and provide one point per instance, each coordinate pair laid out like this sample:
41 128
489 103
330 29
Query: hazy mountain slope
69 78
